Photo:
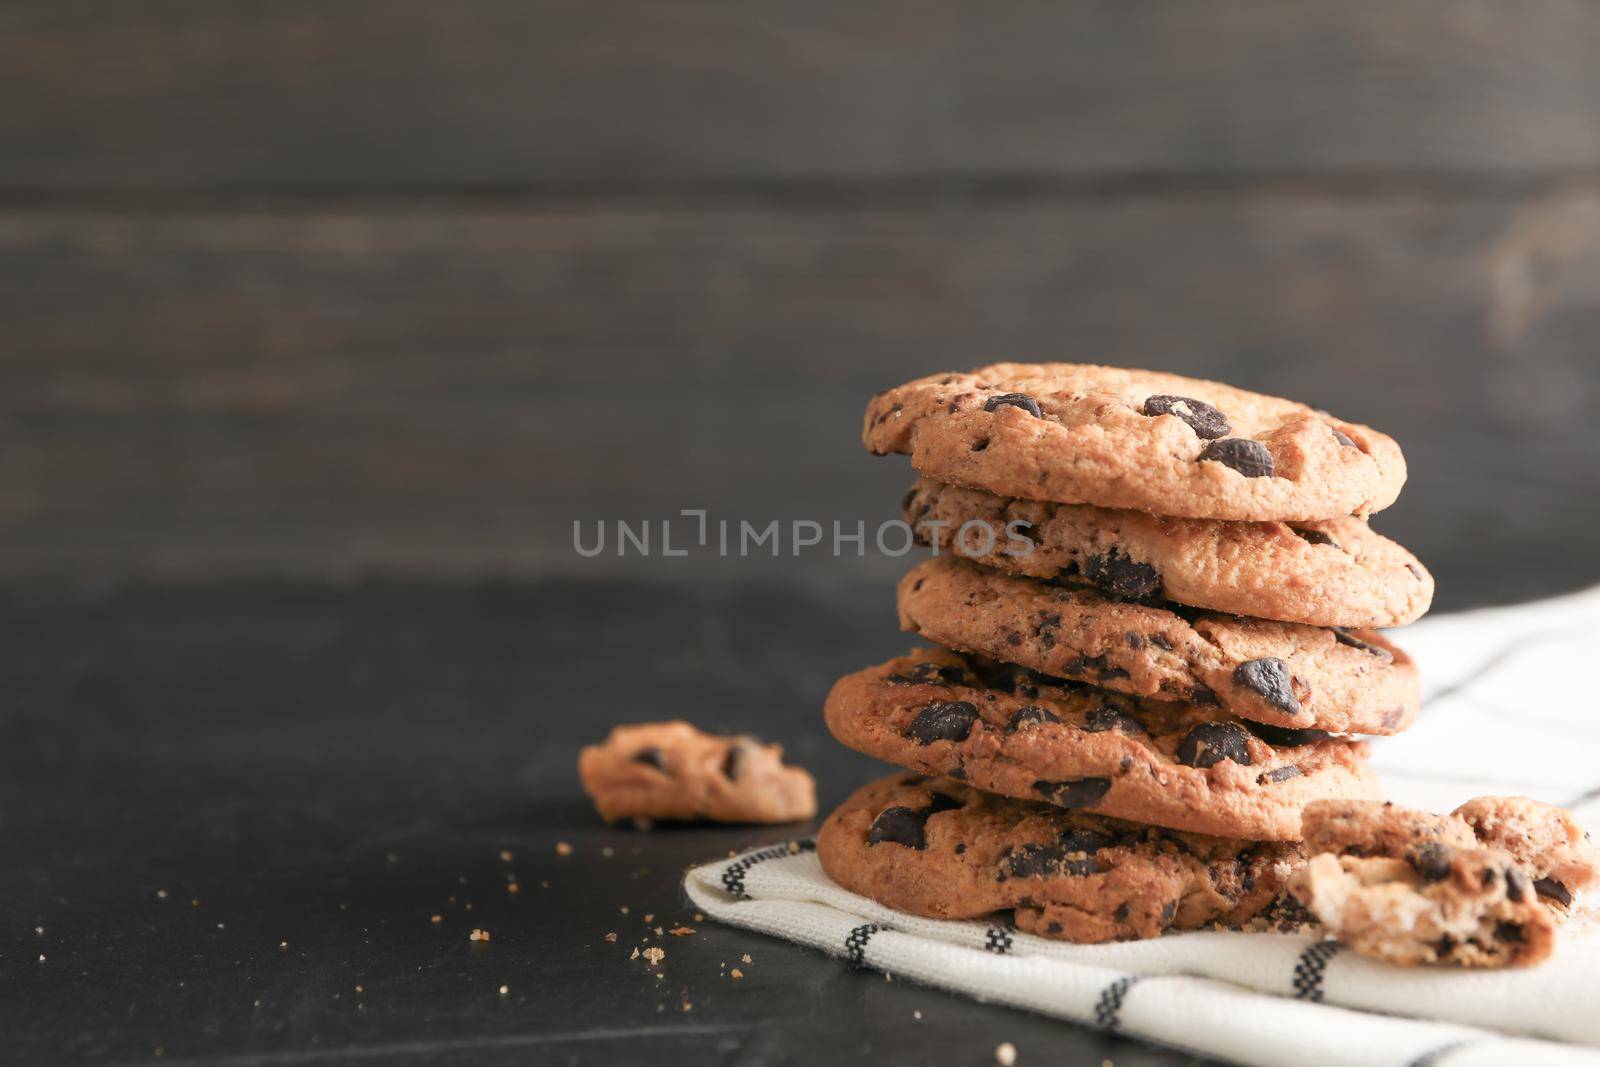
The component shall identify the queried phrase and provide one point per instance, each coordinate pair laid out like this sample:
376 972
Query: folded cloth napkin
1492 722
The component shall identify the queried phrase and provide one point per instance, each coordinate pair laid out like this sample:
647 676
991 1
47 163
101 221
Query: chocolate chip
899 826
1105 717
940 802
1119 575
1283 736
1206 421
1345 637
929 674
1314 537
1015 400
1518 888
961 846
1032 715
1554 890
1075 793
1121 914
1249 458
1209 743
1168 910
1111 674
1508 932
1160 641
1282 774
980 444
1431 861
1085 840
1203 696
1044 861
943 720
1269 678
732 759
651 757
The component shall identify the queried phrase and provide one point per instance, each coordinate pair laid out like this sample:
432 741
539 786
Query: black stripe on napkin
1309 968
1435 1056
855 946
1105 1012
733 874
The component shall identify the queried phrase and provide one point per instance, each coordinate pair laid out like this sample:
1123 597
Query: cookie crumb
635 953
1005 1054
699 918
623 909
650 917
612 937
746 958
916 1015
608 852
512 887
436 919
658 931
655 955
736 974
161 894
506 857
679 931
563 849
478 935
504 990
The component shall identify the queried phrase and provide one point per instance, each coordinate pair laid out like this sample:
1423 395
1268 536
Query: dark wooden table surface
231 815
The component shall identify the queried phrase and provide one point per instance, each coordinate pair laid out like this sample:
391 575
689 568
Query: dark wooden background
373 286
321 321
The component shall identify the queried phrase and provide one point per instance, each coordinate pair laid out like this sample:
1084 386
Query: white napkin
1493 721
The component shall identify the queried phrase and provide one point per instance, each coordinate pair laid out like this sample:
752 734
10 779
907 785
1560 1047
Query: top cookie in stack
1158 443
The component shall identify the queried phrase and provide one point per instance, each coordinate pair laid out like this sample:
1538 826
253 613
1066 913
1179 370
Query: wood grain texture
330 393
407 95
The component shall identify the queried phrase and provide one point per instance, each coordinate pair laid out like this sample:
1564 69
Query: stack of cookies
1151 604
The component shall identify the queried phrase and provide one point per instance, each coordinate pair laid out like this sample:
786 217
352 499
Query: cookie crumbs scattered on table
504 990
608 852
612 937
623 909
658 931
678 931
1005 1054
655 955
563 849
916 1015
650 917
635 954
478 935
736 974
506 857
161 894
746 958
699 918
513 887
436 919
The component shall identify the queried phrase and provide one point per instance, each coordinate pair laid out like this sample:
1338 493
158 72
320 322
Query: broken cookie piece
1484 886
670 770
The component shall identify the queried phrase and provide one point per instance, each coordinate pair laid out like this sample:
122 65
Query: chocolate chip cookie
1484 886
1161 443
1009 730
1278 673
937 848
1333 572
670 770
